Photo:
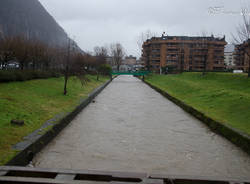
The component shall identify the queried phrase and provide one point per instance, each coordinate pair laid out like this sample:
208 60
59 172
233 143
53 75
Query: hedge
23 75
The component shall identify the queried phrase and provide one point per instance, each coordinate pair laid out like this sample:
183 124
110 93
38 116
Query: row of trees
115 52
33 54
28 54
68 60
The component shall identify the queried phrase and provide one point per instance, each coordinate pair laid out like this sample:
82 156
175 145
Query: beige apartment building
184 53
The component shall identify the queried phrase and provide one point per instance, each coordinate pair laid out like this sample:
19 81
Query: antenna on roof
163 34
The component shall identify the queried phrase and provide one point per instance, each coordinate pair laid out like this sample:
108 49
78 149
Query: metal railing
27 175
135 73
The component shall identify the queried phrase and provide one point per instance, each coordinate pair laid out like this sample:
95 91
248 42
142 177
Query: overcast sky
101 22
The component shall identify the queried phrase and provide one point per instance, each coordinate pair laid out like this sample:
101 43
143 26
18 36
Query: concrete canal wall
130 127
235 136
36 141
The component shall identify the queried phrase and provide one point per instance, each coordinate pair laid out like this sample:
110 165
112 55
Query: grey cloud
98 22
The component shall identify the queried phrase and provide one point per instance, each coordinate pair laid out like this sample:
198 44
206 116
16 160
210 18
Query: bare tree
66 70
6 51
74 64
117 53
101 54
21 48
89 60
28 53
144 36
243 29
37 51
243 34
78 67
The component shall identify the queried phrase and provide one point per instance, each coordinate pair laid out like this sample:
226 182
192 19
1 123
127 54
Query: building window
217 68
156 56
171 61
155 61
172 50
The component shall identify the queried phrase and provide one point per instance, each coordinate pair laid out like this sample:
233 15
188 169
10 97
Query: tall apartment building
184 53
242 59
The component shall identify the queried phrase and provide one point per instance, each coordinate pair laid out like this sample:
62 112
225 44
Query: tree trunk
66 75
248 67
248 55
97 76
22 65
34 65
65 83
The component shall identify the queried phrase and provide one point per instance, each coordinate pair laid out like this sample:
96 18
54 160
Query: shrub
23 75
105 69
7 76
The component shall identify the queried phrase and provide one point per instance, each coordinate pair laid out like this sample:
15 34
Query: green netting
138 73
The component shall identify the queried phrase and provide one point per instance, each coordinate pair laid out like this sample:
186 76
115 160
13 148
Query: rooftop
208 38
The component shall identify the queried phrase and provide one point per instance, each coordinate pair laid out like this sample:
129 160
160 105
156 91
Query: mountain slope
30 19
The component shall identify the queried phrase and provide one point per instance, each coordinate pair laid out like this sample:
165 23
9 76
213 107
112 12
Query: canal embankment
131 127
220 100
41 105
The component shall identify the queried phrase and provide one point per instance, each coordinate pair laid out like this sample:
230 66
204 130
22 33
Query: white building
229 56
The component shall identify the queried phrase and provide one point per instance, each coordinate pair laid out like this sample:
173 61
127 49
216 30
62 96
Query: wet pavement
132 128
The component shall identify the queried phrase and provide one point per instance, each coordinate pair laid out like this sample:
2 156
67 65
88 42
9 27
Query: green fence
136 73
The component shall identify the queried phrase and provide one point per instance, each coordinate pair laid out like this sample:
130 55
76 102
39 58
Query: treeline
25 56
33 54
21 53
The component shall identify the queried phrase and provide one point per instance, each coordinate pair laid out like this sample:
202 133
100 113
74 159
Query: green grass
222 96
35 102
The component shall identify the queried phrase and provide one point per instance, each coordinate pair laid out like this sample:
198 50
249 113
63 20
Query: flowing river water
131 127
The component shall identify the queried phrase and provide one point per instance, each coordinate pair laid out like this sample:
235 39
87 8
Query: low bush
105 69
23 75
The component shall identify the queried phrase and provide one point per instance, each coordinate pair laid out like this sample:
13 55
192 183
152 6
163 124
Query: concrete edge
25 155
238 138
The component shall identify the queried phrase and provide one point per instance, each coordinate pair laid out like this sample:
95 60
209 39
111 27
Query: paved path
131 127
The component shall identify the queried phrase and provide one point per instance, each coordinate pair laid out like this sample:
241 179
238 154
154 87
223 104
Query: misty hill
30 19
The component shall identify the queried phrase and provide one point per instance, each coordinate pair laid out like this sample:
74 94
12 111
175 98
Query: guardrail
137 73
28 175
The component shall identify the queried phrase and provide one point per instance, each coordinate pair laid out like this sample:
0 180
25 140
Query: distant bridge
136 73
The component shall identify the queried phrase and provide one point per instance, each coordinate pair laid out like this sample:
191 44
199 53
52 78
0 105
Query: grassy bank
222 96
35 102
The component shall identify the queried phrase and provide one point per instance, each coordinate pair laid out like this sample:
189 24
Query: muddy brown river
133 128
